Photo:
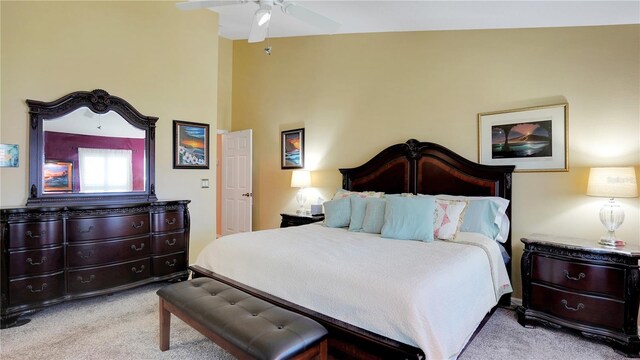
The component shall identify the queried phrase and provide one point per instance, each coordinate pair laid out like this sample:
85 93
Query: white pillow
448 218
341 194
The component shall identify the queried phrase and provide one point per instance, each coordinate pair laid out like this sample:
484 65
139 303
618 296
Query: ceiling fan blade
310 17
202 4
259 27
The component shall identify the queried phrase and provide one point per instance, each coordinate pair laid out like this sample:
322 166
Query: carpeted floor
125 326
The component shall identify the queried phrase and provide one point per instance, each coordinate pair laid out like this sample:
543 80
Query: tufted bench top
255 327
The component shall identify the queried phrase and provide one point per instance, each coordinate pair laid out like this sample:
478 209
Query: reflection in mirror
88 152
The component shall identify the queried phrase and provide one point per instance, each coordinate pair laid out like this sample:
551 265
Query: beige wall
225 70
162 60
356 94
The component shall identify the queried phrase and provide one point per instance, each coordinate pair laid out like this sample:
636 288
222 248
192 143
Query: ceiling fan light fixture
263 16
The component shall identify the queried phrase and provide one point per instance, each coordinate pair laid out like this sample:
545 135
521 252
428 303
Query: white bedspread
429 295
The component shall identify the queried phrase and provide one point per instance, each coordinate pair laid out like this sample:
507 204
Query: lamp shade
300 178
612 182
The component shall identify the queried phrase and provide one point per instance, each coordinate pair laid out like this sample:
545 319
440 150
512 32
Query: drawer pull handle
170 222
85 256
171 264
566 306
87 231
133 247
30 261
135 270
30 235
580 276
133 225
42 288
82 280
171 243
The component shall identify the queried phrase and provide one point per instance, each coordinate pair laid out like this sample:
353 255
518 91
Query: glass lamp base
610 239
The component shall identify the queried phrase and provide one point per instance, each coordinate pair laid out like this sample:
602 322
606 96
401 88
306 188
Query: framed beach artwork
9 155
292 149
58 176
190 145
532 139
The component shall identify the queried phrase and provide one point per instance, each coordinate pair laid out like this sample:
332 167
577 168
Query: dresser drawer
107 227
582 308
168 243
108 251
578 276
167 264
35 234
168 221
36 289
31 262
104 277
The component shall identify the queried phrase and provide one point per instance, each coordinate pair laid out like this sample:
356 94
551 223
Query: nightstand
578 284
297 220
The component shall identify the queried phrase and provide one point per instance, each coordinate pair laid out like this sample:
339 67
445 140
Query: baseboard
516 301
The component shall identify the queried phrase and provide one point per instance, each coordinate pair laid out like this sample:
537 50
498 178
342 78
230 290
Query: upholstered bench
245 326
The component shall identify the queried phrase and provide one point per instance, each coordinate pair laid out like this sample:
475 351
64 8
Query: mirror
90 147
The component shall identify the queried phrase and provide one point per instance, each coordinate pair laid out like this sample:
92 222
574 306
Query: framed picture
58 176
190 145
532 139
292 149
9 155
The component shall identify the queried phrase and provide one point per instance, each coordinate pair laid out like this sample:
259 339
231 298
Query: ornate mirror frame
100 102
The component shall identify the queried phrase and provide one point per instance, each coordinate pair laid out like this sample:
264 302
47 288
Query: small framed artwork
58 176
532 139
292 149
190 145
9 155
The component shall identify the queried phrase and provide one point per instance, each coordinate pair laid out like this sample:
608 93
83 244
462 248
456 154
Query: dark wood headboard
427 168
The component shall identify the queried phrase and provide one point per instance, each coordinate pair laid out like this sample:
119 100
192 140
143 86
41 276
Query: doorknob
247 194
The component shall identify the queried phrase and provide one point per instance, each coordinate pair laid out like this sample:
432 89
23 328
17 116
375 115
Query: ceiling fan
261 18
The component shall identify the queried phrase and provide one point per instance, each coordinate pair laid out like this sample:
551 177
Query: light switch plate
204 183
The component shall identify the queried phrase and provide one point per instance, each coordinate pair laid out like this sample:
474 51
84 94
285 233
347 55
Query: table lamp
612 182
300 179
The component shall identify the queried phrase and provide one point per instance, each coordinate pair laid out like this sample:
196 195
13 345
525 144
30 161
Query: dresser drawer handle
566 306
82 280
30 261
580 276
30 235
171 264
133 225
87 231
171 243
42 288
170 222
135 270
133 247
85 256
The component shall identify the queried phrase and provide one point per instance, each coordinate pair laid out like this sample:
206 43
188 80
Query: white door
237 193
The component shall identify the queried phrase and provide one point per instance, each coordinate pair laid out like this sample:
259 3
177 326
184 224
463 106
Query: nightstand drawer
585 309
578 276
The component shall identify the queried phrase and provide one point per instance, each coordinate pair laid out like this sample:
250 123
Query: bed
382 298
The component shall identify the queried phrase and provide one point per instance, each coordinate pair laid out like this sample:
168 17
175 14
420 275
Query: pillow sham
448 218
358 207
485 215
341 193
337 213
409 218
374 215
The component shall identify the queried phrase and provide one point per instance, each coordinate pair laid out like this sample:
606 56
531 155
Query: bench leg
165 326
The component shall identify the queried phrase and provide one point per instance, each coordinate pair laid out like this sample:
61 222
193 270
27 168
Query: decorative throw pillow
448 218
358 207
341 193
337 213
409 218
374 215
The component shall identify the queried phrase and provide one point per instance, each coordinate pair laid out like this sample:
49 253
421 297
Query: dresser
579 284
53 254
299 219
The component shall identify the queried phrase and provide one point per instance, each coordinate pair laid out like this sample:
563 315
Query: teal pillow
337 213
374 215
358 207
480 217
409 218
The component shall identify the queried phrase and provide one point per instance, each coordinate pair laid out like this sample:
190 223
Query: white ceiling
360 16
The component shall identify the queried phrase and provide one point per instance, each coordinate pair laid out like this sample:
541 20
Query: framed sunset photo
292 149
190 145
